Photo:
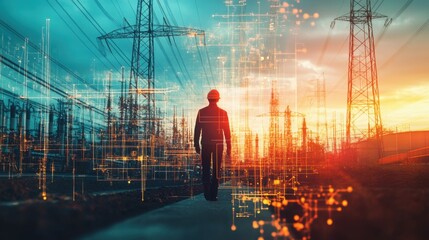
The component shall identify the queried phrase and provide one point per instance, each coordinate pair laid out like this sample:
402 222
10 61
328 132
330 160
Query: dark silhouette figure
212 125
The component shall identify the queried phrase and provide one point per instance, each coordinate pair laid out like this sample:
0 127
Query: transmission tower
142 73
274 136
363 106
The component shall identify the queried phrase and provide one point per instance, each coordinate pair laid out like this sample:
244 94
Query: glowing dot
345 203
298 23
44 198
330 201
261 222
233 227
284 202
295 11
298 226
273 234
296 217
261 231
285 4
129 181
312 24
331 189
266 202
306 16
282 10
339 209
349 189
260 238
302 199
316 15
255 224
329 221
285 231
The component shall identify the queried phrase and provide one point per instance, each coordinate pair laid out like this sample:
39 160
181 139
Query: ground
387 202
24 215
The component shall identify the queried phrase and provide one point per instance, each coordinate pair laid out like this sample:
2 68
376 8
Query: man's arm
197 133
227 133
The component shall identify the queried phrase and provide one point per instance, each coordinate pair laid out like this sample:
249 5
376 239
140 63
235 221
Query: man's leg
205 162
217 160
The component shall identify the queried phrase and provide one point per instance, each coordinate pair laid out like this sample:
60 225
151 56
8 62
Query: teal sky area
188 69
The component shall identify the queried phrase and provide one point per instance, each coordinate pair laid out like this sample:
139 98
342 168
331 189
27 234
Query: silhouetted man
212 125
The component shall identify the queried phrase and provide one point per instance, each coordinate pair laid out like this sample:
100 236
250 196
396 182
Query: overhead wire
170 63
209 63
118 8
78 26
106 13
400 11
53 60
202 62
180 11
39 80
80 39
101 31
172 40
403 46
198 11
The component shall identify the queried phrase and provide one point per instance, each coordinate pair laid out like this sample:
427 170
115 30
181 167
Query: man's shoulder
210 110
204 110
222 111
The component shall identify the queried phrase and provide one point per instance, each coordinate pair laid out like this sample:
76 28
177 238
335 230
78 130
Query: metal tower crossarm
158 31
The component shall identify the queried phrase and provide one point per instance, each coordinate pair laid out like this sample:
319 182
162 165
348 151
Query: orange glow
255 224
296 217
233 227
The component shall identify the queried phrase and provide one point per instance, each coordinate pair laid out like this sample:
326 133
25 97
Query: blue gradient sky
402 53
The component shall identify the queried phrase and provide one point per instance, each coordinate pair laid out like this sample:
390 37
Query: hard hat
213 95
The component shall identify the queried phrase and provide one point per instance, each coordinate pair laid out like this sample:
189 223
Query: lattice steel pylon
363 105
142 74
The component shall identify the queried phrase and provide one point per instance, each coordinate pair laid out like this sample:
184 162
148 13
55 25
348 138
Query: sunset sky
402 52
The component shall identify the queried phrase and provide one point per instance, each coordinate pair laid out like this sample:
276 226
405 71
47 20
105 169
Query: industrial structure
362 92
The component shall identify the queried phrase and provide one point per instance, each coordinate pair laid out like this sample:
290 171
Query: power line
77 35
103 10
100 30
53 60
400 49
387 24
